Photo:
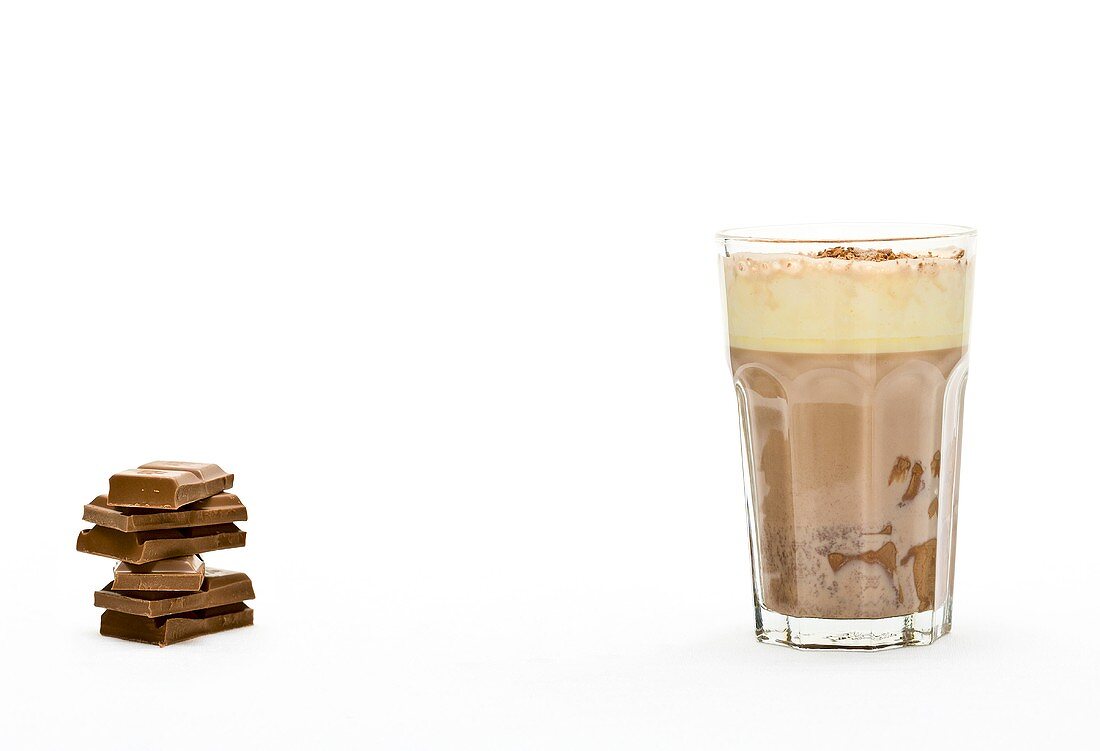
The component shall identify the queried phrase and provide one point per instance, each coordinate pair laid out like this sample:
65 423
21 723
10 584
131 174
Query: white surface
442 276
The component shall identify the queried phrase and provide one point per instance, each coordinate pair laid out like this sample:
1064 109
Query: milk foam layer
786 302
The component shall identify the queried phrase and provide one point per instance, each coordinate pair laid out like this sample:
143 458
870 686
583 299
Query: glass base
864 634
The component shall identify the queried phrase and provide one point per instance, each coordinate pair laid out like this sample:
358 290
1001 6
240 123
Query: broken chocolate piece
158 544
219 588
219 509
170 575
175 628
167 485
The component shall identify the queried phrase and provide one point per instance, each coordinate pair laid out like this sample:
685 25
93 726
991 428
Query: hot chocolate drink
849 365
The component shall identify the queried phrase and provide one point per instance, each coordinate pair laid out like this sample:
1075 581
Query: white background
437 282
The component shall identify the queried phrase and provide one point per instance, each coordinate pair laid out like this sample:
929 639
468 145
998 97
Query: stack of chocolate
157 521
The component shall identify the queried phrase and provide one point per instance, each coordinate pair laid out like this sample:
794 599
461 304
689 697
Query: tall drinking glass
848 346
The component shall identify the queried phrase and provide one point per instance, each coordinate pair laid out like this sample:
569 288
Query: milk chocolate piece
158 544
170 575
170 629
219 588
219 509
167 484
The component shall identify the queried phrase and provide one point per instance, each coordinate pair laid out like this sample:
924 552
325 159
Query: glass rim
845 232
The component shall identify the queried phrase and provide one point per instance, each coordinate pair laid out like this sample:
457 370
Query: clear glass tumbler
848 346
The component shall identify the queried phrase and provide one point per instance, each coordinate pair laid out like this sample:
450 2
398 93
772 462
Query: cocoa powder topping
862 254
851 253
